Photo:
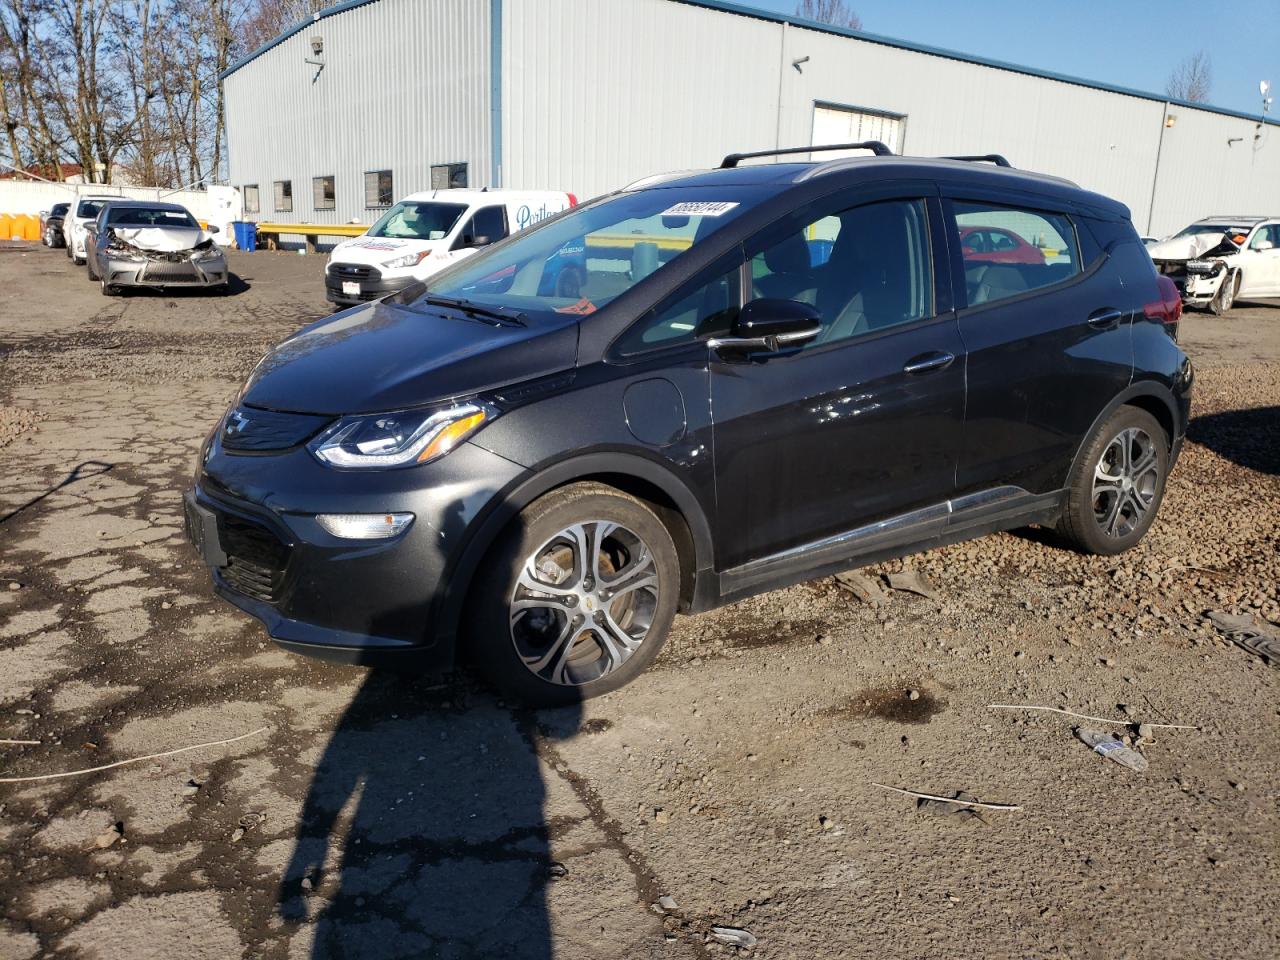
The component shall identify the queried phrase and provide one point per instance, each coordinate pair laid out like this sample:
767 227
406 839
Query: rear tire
549 629
1117 486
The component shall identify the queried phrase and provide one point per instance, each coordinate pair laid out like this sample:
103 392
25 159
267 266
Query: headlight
398 439
1204 266
210 252
119 252
408 260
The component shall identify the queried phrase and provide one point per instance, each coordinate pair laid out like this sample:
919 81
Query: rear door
862 423
1048 344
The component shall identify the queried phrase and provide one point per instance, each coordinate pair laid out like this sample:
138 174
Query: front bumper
120 272
252 516
348 291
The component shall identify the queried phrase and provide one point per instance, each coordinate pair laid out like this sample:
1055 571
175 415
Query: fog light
364 526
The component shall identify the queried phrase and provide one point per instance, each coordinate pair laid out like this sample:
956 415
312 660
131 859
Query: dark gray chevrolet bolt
701 387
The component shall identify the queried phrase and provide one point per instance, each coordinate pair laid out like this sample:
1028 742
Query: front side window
418 220
377 188
582 260
284 196
1267 238
323 194
865 269
1009 251
704 309
251 198
488 225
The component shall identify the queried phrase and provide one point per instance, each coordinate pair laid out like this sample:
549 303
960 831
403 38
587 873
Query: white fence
24 196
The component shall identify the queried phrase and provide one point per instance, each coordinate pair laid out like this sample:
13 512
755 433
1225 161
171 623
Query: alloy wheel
1125 481
584 602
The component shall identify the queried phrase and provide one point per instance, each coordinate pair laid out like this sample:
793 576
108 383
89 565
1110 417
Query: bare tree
835 12
269 18
1191 79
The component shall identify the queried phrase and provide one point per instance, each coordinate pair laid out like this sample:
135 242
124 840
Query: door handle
927 362
1104 319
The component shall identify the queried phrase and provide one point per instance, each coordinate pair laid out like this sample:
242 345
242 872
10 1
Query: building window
284 196
322 193
446 176
377 189
250 192
833 123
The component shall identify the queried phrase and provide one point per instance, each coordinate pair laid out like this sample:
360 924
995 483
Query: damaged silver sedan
136 243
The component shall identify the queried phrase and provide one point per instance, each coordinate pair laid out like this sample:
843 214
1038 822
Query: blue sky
1130 43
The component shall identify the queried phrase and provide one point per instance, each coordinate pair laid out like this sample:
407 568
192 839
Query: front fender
540 480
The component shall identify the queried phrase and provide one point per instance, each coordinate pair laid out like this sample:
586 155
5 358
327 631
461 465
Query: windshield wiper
498 316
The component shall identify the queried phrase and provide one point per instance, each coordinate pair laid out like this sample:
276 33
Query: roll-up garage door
833 124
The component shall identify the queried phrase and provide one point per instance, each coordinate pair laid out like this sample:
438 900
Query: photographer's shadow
424 833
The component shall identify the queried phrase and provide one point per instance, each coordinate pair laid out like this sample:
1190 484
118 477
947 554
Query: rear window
1008 251
418 220
586 258
89 208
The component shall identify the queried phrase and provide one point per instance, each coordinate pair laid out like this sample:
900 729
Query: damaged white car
1218 260
136 243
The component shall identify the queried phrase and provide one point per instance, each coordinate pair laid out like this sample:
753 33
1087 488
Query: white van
426 232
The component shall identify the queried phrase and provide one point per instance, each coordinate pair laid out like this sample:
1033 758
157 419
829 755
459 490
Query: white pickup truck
426 232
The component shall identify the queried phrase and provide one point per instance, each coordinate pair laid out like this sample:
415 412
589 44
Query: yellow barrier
19 226
311 231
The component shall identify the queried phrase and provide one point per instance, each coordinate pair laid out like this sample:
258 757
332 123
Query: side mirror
771 325
476 241
212 229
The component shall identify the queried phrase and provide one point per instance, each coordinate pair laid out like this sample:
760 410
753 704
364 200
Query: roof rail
875 146
995 158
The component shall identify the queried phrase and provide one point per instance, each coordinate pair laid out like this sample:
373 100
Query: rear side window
865 269
1008 251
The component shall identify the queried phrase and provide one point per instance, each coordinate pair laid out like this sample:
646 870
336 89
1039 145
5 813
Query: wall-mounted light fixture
797 64
317 50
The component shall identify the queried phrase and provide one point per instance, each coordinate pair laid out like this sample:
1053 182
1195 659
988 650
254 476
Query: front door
863 422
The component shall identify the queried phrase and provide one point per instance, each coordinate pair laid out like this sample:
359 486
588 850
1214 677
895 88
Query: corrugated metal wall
405 86
600 92
596 93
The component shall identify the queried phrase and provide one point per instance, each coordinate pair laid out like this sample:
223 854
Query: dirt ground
388 817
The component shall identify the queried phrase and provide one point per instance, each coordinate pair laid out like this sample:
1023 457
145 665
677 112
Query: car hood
388 356
1187 248
378 250
162 239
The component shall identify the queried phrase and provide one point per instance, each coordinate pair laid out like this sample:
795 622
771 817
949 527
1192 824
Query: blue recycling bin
246 234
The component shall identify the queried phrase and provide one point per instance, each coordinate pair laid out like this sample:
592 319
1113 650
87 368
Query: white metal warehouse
588 95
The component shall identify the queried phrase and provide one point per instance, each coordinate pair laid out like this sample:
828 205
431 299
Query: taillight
573 201
1168 309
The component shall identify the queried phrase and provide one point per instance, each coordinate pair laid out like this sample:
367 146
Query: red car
996 245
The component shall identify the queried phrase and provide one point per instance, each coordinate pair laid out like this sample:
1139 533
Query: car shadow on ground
424 833
1250 438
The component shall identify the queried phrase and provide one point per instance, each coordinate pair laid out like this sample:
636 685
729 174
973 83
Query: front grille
170 272
354 271
256 558
251 428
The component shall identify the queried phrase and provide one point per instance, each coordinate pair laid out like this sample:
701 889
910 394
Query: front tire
1226 296
93 277
576 598
1117 485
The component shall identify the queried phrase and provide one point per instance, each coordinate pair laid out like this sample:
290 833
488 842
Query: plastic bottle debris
1110 747
733 937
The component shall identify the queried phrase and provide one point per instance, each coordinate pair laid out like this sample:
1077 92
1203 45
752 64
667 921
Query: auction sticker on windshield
699 208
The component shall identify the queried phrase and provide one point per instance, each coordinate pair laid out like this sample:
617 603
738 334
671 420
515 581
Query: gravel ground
384 817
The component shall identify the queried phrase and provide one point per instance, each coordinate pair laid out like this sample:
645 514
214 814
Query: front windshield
582 260
1196 229
148 217
418 220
